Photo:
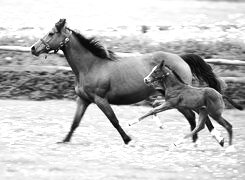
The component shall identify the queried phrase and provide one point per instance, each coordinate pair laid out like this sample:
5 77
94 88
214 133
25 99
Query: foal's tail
232 102
203 71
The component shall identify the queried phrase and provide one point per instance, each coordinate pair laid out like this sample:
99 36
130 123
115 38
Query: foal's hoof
132 122
172 147
222 142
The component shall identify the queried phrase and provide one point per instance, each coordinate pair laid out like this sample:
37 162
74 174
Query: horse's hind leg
107 110
81 108
190 116
226 125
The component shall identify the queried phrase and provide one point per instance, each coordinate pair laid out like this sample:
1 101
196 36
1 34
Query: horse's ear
59 25
162 64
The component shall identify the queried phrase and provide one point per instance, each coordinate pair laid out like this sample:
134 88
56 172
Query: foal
205 101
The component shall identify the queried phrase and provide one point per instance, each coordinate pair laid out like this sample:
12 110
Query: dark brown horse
104 78
206 101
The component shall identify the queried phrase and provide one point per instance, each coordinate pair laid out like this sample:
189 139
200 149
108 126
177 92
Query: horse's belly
129 97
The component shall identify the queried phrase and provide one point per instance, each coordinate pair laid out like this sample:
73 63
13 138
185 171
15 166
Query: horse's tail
232 102
203 71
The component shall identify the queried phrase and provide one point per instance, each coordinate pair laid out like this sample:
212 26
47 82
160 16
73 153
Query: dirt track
29 131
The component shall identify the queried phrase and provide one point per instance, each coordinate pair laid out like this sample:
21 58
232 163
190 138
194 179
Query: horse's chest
80 91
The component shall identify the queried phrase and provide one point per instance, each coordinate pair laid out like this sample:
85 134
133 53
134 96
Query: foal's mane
176 75
94 46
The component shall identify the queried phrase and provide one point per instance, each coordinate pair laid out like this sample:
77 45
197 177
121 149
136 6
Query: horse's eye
51 33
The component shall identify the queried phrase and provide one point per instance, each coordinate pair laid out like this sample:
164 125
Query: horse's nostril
146 81
33 51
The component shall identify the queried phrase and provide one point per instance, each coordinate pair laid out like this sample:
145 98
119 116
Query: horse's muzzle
33 51
147 81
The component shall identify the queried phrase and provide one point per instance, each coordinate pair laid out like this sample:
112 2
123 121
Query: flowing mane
95 46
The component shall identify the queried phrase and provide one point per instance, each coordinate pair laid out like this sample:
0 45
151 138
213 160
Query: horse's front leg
104 105
81 108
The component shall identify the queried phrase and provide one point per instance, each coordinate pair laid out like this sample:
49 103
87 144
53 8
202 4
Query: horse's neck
78 57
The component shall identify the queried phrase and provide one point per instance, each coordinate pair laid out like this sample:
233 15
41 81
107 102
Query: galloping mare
104 78
206 101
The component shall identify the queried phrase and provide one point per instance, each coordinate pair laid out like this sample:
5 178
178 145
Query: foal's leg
214 132
191 118
226 125
155 118
163 107
81 108
107 110
200 125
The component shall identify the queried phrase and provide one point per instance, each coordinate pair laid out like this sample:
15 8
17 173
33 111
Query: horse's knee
157 102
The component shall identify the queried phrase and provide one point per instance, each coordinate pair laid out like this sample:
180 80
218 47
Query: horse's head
54 40
158 73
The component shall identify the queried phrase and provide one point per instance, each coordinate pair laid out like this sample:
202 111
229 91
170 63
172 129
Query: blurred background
211 29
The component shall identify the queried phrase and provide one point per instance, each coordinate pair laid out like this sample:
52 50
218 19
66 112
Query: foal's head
158 73
53 40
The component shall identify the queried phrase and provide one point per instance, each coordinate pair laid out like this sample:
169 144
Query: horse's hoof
62 142
222 142
230 149
127 140
132 143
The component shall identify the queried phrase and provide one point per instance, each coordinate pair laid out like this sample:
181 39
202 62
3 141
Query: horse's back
149 60
174 62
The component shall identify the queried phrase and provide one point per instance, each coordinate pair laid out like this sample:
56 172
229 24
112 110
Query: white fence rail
211 61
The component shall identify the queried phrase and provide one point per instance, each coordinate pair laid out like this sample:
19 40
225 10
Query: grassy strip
60 85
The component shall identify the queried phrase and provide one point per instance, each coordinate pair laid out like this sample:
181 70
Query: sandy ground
29 131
